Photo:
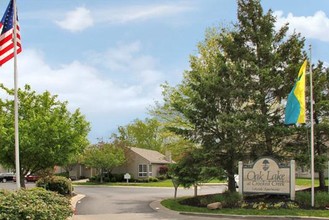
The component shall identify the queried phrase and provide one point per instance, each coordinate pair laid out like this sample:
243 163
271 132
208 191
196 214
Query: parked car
4 177
32 178
29 178
236 178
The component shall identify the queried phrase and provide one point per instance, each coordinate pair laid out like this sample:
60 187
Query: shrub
203 200
58 184
94 179
65 174
322 200
162 177
153 179
304 199
141 180
34 204
231 199
117 177
163 170
106 179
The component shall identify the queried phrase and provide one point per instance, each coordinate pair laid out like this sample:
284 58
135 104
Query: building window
142 170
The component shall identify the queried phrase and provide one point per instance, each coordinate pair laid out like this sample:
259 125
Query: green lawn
175 205
308 182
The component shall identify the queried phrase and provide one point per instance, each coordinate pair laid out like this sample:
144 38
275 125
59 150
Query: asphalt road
132 202
10 185
138 203
141 203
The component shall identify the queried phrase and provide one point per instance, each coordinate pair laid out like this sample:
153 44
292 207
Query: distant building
140 163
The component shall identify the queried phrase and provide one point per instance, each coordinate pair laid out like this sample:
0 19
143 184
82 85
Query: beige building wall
131 165
80 170
4 170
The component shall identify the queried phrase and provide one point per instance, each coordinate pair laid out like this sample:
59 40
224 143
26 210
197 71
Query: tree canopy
299 143
231 101
49 134
104 157
143 134
152 134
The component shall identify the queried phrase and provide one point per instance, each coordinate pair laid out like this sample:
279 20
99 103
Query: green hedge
59 184
35 204
321 200
109 177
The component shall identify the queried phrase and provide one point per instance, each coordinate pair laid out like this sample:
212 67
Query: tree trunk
101 175
195 190
22 181
176 184
175 194
322 180
231 183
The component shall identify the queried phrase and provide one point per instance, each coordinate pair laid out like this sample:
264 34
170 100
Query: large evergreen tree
299 143
231 99
321 119
271 61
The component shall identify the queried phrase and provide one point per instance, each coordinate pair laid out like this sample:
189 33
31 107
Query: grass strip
174 204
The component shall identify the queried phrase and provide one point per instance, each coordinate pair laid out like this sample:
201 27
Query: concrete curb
74 200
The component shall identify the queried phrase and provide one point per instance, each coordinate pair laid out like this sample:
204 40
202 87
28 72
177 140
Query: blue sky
110 57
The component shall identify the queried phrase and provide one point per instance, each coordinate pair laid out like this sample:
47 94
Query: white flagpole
312 130
18 182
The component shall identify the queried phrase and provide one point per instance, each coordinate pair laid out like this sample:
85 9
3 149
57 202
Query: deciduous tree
49 134
152 134
104 157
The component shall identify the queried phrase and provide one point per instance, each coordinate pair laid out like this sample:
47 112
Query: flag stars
6 37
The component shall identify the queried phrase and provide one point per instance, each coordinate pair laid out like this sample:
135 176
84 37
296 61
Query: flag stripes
7 35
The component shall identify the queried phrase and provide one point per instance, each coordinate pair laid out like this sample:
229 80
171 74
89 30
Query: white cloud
82 18
127 60
76 20
316 26
105 103
140 13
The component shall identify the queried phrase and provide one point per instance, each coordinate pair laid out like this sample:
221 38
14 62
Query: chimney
168 156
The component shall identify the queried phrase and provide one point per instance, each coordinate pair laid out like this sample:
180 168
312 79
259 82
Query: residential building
140 163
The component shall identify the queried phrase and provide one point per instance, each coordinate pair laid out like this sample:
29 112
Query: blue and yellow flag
295 108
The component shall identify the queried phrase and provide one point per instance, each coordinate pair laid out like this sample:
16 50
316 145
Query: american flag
7 33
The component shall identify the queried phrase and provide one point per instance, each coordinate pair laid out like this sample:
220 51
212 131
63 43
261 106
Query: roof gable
151 155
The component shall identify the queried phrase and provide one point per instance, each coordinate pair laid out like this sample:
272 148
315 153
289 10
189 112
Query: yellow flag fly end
295 108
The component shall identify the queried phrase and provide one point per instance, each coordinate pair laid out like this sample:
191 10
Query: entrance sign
267 176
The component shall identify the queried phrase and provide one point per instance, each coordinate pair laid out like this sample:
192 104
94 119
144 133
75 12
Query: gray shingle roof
150 155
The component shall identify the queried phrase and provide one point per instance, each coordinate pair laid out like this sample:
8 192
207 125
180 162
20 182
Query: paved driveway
136 203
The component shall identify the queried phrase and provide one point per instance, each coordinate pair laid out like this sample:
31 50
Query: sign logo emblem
266 165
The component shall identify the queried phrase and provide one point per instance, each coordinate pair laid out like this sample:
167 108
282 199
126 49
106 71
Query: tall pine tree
230 102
